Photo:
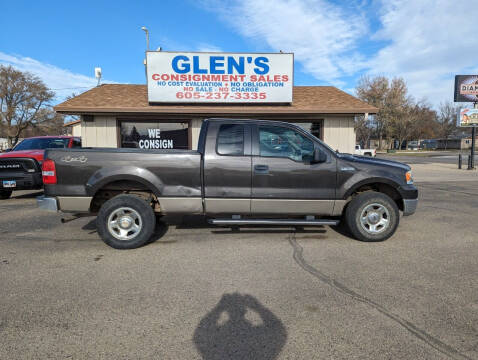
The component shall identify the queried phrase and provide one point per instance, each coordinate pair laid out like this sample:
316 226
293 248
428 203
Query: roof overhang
193 111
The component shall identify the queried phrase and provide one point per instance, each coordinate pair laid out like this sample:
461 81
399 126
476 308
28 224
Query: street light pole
147 36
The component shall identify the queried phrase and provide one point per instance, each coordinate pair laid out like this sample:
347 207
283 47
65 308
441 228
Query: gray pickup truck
244 172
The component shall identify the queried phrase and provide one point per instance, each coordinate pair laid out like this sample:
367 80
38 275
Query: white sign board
189 77
468 117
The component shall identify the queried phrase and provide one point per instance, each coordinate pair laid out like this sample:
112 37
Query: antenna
98 75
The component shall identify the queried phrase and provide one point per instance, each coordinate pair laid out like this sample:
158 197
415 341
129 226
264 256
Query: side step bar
298 222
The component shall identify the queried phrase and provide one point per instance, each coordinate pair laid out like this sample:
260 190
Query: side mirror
319 156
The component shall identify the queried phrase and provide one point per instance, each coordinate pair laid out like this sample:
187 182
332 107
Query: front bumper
409 206
47 203
409 195
24 181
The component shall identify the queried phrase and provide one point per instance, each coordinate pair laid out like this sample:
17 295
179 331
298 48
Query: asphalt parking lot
210 293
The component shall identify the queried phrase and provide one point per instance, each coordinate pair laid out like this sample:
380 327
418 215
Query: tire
5 194
368 154
126 222
365 216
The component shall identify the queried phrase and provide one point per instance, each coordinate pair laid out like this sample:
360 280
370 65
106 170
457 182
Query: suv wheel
372 216
126 222
5 194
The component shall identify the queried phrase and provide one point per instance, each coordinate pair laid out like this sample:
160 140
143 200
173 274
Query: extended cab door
284 180
227 168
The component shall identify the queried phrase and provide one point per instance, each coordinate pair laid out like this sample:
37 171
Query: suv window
276 141
42 143
230 140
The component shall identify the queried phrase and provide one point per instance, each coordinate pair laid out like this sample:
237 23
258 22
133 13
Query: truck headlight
408 177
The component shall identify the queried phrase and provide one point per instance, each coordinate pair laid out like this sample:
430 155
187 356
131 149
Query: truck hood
374 161
33 154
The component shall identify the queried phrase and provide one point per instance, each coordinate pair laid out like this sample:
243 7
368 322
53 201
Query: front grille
24 165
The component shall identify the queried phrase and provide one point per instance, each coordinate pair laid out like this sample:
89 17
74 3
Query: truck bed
172 173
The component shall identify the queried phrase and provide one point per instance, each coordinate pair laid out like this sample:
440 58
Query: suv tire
5 194
126 222
372 216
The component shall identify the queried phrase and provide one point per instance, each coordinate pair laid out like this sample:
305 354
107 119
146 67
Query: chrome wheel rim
125 223
375 218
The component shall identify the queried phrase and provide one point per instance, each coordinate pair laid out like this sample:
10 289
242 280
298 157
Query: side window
275 141
76 143
230 140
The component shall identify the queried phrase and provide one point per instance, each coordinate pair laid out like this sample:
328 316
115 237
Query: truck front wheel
372 216
5 194
126 222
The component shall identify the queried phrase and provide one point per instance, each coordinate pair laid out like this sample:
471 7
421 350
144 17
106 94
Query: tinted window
154 135
76 143
275 141
230 140
42 143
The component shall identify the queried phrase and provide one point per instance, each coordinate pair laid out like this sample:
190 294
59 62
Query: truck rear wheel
372 216
5 194
126 222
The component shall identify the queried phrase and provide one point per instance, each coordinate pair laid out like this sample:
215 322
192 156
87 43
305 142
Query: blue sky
426 42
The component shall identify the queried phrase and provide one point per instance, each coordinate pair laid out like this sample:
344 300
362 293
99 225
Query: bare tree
425 125
447 120
374 91
24 100
400 117
363 129
397 111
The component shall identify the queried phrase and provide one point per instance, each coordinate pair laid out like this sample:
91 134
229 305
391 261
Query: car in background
365 152
20 167
429 144
413 145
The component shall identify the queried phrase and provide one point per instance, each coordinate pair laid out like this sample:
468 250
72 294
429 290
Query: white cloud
205 47
426 42
322 35
53 76
429 42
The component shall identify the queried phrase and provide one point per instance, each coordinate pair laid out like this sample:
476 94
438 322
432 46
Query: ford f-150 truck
243 172
20 168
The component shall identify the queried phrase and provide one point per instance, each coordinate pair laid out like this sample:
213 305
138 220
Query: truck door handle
261 169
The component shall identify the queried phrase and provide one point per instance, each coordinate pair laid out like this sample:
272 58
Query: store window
314 127
154 135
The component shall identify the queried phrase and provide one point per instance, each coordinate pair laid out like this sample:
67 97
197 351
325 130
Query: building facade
120 115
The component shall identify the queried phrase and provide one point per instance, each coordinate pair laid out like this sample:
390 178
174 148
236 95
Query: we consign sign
189 77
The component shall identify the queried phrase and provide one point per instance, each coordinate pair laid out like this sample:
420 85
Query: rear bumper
25 181
47 203
64 203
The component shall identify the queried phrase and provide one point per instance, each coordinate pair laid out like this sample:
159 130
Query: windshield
42 143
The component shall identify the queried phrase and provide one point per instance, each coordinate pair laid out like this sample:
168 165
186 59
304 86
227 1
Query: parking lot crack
435 343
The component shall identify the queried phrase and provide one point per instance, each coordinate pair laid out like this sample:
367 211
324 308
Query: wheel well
112 189
382 188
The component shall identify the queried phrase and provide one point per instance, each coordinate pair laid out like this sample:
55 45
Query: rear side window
230 140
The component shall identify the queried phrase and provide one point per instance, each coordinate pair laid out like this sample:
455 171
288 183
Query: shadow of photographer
240 327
